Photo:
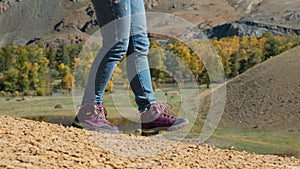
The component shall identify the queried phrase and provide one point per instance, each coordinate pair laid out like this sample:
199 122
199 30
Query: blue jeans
124 31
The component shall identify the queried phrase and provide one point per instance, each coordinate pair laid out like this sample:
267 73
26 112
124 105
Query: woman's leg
123 27
114 20
137 57
155 117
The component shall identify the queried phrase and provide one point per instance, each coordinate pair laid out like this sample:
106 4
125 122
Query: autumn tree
35 67
34 76
65 76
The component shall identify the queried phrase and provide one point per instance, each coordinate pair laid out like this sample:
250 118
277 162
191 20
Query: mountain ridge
248 28
24 21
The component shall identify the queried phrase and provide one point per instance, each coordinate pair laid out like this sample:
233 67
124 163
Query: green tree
62 55
271 45
74 52
235 64
6 56
51 56
43 71
255 57
23 78
156 60
11 80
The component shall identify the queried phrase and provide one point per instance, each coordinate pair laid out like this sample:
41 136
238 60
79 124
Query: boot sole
159 130
93 128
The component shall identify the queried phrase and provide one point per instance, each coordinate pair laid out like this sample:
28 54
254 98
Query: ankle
99 106
144 109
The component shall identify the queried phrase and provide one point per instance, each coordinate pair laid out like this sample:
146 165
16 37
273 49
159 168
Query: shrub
3 93
40 92
16 93
110 86
154 86
159 85
28 93
126 86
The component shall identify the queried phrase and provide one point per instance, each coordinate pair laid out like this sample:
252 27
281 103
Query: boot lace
101 113
167 110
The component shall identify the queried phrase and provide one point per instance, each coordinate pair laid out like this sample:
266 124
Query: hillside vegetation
40 69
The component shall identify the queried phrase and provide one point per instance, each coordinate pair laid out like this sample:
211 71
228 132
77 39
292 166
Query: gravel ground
31 144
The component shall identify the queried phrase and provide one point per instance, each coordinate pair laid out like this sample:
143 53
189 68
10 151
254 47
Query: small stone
59 106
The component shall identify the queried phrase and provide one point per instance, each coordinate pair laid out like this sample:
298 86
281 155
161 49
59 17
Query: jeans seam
140 79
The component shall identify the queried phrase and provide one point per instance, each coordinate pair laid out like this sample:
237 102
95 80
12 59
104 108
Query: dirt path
30 144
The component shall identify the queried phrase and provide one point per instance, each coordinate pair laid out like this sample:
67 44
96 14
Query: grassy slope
37 106
262 110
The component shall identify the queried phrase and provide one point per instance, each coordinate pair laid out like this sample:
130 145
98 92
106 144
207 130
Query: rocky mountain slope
248 28
22 21
279 17
42 19
276 12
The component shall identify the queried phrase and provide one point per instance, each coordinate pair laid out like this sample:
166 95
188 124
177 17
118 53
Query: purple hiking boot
93 117
159 118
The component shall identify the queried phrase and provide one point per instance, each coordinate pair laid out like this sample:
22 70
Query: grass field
37 106
262 142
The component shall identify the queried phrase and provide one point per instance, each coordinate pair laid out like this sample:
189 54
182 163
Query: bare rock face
260 16
248 28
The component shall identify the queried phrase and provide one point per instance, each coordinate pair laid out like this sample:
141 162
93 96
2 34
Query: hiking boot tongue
151 114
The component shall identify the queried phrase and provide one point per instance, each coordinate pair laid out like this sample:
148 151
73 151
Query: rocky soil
31 144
